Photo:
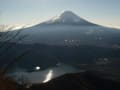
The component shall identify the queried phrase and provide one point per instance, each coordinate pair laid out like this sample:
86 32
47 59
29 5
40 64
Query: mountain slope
71 30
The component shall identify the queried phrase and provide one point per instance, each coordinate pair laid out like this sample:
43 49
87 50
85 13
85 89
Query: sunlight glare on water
48 76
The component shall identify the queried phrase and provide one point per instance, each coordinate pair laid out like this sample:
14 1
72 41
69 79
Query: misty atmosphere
59 45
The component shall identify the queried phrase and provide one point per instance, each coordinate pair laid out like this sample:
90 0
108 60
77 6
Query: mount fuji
69 29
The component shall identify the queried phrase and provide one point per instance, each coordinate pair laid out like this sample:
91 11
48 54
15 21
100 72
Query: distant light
58 64
37 68
106 59
66 40
72 40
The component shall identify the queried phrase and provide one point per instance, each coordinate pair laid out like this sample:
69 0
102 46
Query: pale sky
104 12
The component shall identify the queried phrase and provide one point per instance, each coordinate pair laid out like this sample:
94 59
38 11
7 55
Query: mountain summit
67 17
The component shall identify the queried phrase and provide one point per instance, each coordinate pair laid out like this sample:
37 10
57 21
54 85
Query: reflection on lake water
43 76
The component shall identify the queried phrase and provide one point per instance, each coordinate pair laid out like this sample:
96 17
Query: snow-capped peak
66 17
69 16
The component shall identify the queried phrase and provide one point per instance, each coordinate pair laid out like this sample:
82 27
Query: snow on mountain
4 28
67 17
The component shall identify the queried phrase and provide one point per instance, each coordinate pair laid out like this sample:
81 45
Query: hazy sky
105 12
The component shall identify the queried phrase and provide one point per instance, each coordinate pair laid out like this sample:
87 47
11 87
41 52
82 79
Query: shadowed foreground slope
7 83
79 81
